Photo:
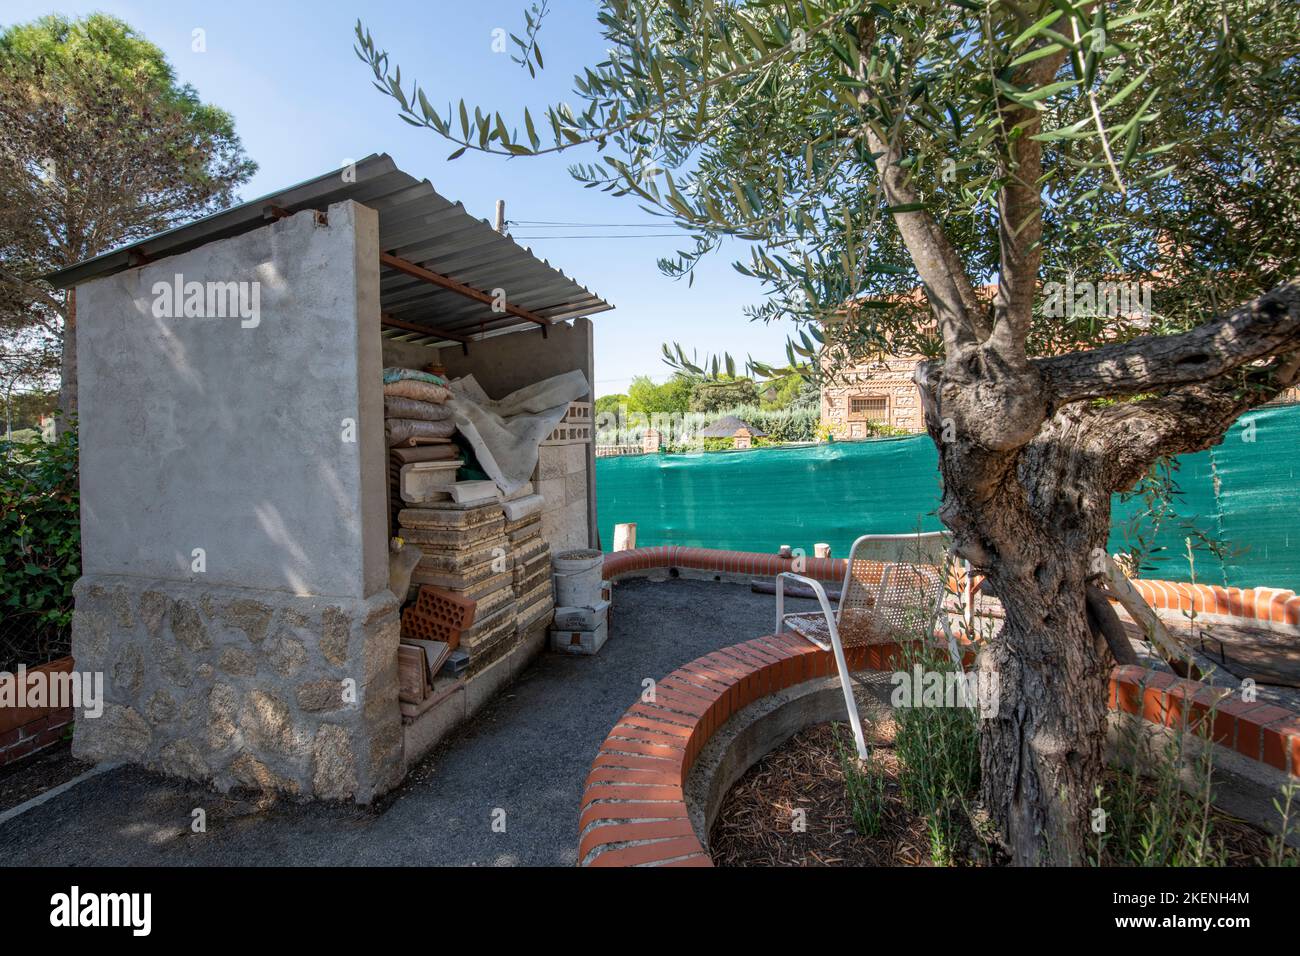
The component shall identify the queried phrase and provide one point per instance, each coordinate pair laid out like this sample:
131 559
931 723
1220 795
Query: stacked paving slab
531 562
465 550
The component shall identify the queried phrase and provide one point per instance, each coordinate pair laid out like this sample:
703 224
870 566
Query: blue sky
303 103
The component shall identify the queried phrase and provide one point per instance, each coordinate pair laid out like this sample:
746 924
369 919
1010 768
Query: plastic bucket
578 577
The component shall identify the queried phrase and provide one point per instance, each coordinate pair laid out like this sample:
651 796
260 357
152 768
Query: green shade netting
1240 493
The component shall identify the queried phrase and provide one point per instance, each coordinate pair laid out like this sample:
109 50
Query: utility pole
501 216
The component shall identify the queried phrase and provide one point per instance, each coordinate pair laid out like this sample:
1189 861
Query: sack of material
423 391
394 374
397 407
401 430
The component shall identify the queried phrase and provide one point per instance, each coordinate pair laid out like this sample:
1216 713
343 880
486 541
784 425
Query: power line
614 235
595 225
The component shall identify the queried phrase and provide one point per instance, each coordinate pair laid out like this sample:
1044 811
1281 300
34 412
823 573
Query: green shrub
40 548
938 749
864 783
1156 808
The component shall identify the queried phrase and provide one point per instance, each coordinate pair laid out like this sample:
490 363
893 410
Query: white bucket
577 578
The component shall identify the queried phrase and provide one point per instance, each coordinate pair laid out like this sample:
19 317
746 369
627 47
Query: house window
869 408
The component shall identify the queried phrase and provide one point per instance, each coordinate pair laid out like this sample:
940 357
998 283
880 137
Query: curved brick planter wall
621 563
633 810
634 807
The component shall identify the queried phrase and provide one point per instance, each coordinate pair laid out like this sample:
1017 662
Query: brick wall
633 810
25 730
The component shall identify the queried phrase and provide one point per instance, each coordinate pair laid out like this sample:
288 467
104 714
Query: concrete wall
272 662
564 480
504 363
198 433
409 355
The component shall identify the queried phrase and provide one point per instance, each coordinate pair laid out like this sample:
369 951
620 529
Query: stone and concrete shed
234 589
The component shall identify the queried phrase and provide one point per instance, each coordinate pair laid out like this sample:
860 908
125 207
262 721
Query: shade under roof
416 224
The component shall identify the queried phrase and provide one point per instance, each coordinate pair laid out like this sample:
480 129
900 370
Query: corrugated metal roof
416 224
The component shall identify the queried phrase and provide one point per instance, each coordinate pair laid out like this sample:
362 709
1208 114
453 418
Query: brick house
878 390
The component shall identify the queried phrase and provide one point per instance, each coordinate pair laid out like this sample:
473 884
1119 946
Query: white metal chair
894 588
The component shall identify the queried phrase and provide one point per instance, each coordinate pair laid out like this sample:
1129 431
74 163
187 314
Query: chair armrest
818 590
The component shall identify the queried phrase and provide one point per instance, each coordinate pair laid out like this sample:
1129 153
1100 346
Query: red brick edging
633 810
1264 604
25 730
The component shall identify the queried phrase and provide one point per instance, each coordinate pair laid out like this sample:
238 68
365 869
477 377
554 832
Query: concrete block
423 734
581 618
427 481
552 461
575 489
579 642
575 458
553 492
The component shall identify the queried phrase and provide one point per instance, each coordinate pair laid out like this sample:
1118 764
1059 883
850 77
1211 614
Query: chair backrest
893 578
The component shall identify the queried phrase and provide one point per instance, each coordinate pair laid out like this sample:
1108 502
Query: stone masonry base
242 687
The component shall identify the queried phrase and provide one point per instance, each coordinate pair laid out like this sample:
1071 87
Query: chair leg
841 665
850 702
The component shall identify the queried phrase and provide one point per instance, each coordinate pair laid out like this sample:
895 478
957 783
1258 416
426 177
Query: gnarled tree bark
1033 517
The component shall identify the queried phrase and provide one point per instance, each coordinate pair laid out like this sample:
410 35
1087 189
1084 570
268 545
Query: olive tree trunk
1041 753
1029 463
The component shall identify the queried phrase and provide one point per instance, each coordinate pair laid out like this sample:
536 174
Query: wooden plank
1103 620
1122 589
412 673
446 282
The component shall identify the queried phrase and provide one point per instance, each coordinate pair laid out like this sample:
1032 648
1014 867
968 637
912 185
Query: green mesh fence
1240 493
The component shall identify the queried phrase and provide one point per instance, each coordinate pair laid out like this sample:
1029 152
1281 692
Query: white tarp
506 432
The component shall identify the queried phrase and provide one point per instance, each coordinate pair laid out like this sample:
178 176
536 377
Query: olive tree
938 176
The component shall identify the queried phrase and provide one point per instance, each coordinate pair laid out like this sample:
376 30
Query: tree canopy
104 146
1164 130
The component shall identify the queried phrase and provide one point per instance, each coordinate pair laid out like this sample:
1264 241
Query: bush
864 783
40 549
938 748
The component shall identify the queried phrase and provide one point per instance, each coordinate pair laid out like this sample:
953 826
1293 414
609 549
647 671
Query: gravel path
527 753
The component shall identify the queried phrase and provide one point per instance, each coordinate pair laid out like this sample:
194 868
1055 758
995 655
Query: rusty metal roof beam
434 278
